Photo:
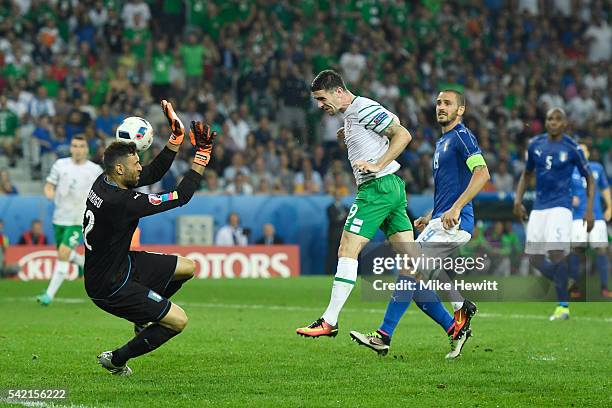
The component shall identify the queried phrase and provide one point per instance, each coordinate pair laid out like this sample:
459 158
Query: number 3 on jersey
90 224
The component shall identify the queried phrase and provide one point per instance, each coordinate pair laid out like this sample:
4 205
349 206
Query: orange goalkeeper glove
202 138
178 130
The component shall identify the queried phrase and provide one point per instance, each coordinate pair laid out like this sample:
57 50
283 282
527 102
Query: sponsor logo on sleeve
155 199
378 119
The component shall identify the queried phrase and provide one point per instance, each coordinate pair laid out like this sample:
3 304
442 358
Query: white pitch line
40 404
318 309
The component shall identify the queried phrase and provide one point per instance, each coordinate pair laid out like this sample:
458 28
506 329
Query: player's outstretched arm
399 138
177 130
143 205
202 138
160 165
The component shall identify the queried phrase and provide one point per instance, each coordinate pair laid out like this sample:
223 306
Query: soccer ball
137 130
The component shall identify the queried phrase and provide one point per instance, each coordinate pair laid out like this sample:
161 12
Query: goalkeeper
136 286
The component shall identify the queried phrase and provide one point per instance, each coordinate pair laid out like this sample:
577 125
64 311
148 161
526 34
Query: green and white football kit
72 183
381 197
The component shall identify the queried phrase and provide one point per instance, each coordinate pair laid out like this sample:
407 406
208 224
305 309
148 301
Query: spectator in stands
9 123
516 71
238 129
192 53
212 184
240 185
237 167
581 108
269 236
308 181
6 185
263 134
259 172
294 96
106 122
34 236
231 234
599 35
320 163
41 104
502 179
220 161
192 113
353 63
133 8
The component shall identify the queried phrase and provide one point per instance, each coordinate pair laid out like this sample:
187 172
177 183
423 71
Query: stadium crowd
69 67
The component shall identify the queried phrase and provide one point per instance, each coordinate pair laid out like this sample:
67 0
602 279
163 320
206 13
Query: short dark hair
458 94
115 152
327 80
556 109
80 136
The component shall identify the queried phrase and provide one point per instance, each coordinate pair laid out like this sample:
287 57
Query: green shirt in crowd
139 39
193 59
161 68
9 122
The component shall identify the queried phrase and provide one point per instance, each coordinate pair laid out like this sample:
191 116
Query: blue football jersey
553 163
452 172
579 189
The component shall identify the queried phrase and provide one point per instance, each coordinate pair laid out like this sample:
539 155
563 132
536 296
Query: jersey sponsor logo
136 195
538 152
157 199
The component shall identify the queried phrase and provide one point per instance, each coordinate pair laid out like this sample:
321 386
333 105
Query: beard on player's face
131 181
130 177
445 117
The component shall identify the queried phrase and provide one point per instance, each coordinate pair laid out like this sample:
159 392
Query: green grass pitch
240 349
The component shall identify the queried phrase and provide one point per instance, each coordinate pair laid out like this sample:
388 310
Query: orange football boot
318 328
